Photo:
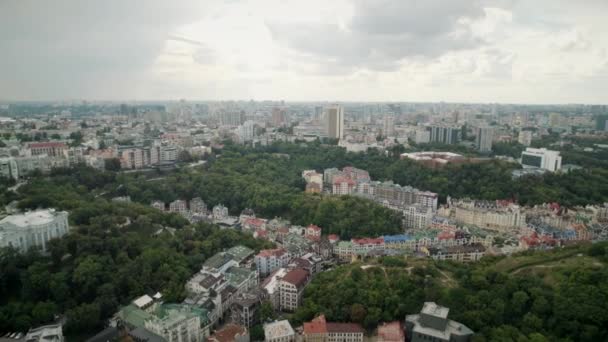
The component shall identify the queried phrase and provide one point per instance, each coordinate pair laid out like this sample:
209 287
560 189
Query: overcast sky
526 51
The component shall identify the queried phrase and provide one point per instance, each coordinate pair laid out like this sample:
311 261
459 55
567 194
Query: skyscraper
444 134
389 126
335 121
484 139
278 117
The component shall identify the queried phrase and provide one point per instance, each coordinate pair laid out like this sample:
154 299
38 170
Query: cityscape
303 181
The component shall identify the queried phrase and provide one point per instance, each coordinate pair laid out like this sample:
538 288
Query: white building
422 136
279 331
45 333
246 131
8 168
34 228
220 212
268 260
417 216
541 158
335 122
271 287
178 206
291 289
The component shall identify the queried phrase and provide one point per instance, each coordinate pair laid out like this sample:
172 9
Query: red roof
392 331
47 144
333 237
314 227
253 221
297 277
446 235
344 328
316 326
228 333
369 241
265 253
339 180
320 326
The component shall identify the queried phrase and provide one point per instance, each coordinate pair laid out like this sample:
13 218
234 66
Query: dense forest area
112 255
534 297
268 179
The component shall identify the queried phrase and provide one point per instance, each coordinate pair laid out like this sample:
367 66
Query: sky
499 51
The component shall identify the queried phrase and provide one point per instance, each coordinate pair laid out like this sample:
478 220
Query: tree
112 164
184 156
266 312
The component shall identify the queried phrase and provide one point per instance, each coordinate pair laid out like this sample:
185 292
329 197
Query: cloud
380 34
83 48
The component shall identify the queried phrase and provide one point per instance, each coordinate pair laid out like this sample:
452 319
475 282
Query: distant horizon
195 101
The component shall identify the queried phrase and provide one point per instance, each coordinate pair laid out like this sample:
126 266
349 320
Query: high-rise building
389 126
601 122
525 138
269 260
541 158
231 118
335 122
484 139
445 134
279 117
247 131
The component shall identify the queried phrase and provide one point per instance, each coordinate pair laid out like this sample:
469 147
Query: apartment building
319 330
269 260
417 216
51 148
291 287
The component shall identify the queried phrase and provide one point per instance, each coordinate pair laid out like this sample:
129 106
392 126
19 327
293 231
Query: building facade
291 288
541 158
33 229
269 260
335 122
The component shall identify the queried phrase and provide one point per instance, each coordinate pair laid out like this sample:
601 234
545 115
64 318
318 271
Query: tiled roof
316 326
47 144
228 333
344 328
265 253
392 331
297 277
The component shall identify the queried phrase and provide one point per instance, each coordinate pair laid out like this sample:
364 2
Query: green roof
134 316
169 313
236 275
218 260
240 253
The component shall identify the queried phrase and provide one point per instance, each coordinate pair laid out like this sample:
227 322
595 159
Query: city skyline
344 51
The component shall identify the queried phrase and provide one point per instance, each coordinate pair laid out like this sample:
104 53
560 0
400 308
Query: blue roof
397 238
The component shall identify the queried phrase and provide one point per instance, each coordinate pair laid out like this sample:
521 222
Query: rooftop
265 253
297 277
278 329
240 253
228 333
32 218
430 308
47 144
